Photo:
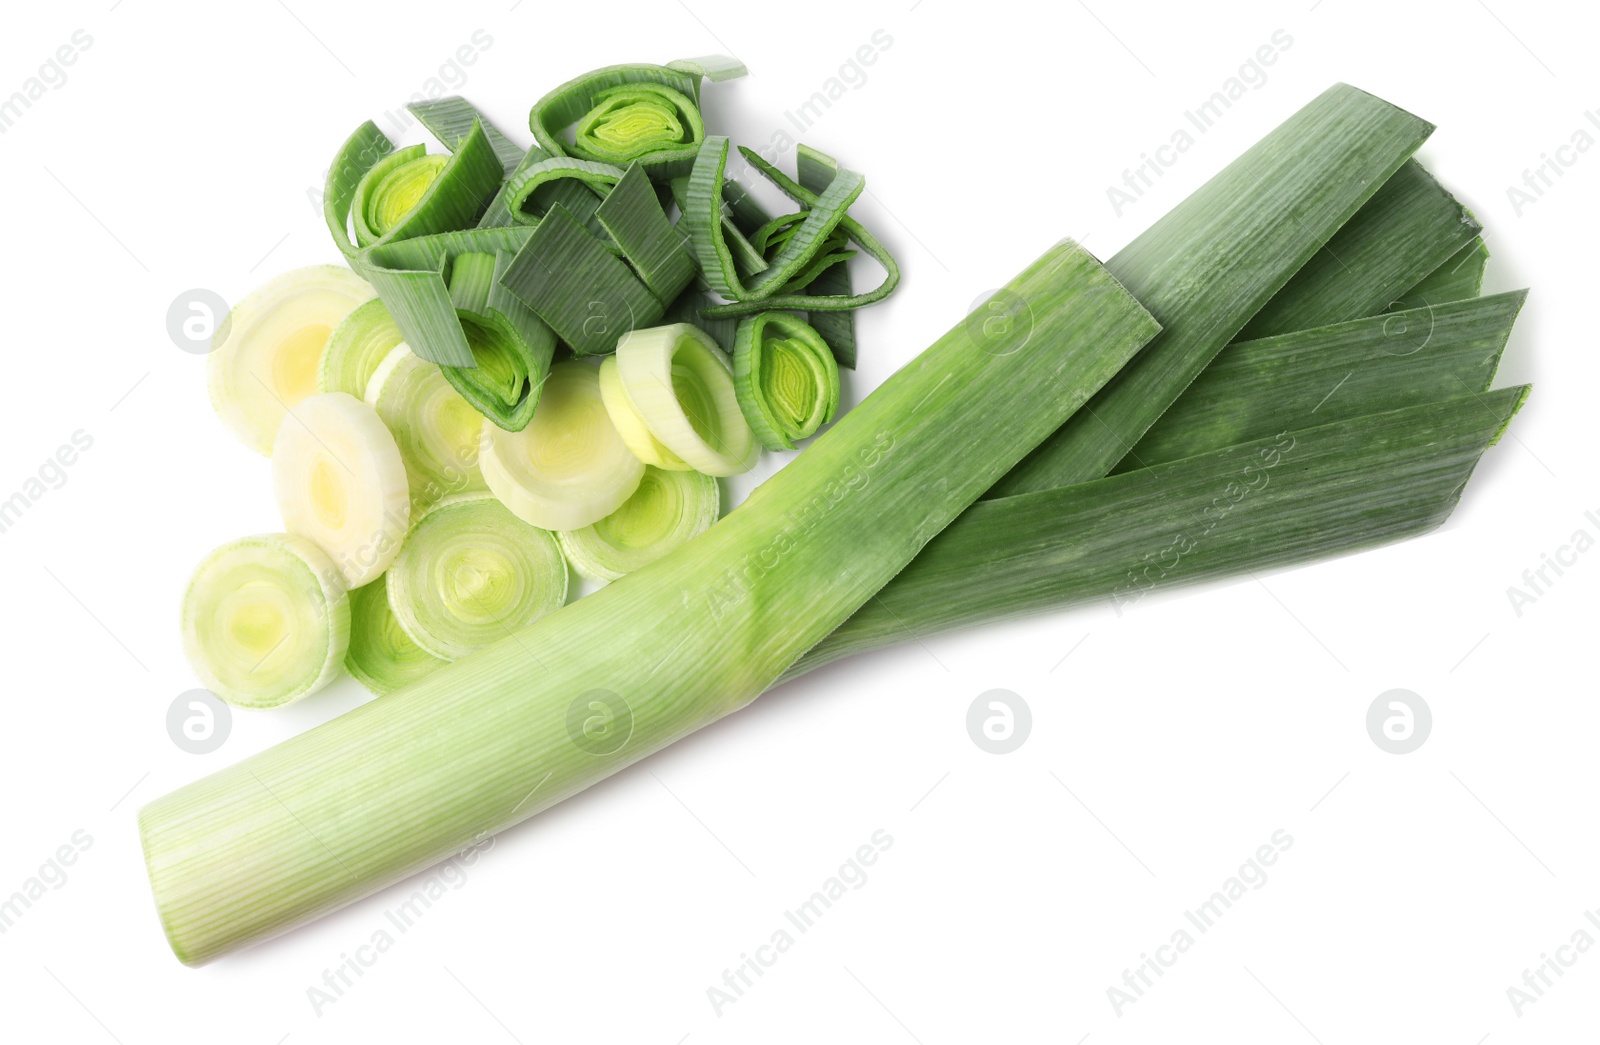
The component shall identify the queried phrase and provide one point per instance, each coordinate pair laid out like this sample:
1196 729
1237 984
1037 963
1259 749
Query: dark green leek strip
813 303
814 170
1215 259
1409 227
588 295
771 238
739 209
409 277
1459 277
1286 499
450 120
362 151
665 144
532 191
513 347
1256 388
714 67
631 214
703 216
688 308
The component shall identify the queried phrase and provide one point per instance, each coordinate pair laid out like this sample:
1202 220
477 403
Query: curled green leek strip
382 657
704 219
533 191
785 377
513 347
770 238
623 113
814 170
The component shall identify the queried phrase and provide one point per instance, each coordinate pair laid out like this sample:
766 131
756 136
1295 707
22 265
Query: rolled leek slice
785 377
679 381
266 620
389 191
471 573
341 484
510 343
436 430
632 121
665 511
356 347
271 344
569 467
382 657
646 447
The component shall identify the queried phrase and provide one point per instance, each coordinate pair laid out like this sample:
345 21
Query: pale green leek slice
569 467
266 620
512 346
356 347
666 511
436 430
682 386
471 573
630 425
341 484
270 346
382 657
786 378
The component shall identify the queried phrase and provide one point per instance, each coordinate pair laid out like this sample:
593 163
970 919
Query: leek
437 431
266 620
813 171
569 467
631 425
356 347
786 378
338 812
341 484
471 573
1460 276
510 344
382 657
270 346
678 381
666 511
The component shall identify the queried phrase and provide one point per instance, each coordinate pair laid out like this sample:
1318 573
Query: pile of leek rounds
1293 363
518 369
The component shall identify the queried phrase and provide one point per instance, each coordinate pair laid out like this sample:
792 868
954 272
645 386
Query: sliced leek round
355 348
382 657
630 425
679 382
266 620
569 467
786 378
270 346
341 484
435 428
471 573
665 511
633 121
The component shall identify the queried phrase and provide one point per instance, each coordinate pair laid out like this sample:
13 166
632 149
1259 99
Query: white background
1166 747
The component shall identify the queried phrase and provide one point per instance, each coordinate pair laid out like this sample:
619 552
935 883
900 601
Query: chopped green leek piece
512 346
814 170
1215 259
436 430
632 216
341 484
1461 276
786 378
391 189
682 386
665 512
266 620
1254 389
270 345
362 801
569 467
589 296
471 573
532 191
356 347
635 120
450 120
382 657
1406 230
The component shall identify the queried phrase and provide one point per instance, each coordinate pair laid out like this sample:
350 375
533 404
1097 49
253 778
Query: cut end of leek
382 657
270 348
266 620
665 511
569 467
341 484
434 427
471 573
679 382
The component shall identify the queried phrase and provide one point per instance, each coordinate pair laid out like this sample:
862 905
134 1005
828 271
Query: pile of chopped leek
517 369
544 357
